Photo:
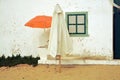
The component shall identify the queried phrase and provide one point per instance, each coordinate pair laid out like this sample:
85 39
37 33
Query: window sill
79 35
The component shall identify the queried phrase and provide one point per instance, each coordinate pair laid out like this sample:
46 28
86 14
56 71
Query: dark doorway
116 31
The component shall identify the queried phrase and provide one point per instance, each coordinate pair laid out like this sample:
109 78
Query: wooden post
58 57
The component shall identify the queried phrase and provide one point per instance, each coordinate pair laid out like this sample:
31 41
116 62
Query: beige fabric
59 41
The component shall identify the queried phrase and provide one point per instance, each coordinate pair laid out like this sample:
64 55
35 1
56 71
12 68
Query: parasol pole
44 29
58 56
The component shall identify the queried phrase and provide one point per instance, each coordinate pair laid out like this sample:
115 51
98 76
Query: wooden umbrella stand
58 57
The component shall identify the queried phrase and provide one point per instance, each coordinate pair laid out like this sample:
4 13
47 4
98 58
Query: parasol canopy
59 40
41 21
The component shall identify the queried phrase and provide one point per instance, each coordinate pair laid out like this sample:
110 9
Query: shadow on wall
40 38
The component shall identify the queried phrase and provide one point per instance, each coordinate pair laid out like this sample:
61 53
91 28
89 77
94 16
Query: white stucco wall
15 38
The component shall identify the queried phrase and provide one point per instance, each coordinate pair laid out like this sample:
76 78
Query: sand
69 72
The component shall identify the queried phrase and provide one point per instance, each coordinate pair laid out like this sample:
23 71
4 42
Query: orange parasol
40 22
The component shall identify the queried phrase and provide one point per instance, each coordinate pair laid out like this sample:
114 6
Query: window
77 23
